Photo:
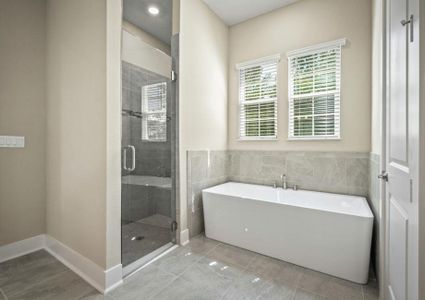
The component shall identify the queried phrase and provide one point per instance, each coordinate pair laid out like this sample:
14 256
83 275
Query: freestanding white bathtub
329 233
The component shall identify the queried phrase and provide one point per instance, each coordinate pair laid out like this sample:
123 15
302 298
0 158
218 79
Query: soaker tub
325 232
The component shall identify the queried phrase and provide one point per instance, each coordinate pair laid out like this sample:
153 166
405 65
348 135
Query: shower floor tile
144 236
203 269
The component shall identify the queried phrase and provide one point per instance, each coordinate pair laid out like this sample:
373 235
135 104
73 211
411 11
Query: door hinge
174 226
173 75
383 176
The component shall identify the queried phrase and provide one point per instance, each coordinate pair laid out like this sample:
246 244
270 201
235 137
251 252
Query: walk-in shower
148 140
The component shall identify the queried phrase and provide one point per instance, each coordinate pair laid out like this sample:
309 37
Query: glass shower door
147 210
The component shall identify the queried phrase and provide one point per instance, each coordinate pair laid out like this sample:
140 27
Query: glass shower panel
147 214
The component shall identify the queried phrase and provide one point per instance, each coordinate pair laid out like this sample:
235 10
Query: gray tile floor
155 231
204 269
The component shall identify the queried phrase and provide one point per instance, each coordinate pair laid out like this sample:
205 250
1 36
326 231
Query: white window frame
307 51
253 63
146 114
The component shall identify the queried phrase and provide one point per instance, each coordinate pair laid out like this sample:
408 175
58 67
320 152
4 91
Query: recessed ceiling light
153 10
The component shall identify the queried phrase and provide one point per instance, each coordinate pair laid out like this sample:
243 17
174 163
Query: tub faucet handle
283 180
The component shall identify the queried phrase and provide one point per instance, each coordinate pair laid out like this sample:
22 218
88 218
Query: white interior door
402 150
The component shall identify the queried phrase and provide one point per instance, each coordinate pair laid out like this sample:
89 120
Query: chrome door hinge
174 226
173 75
383 176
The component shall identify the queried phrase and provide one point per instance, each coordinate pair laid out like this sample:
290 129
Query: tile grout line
196 261
180 275
297 285
242 270
32 285
164 287
3 294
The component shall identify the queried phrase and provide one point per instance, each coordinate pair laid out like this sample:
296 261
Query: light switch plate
8 141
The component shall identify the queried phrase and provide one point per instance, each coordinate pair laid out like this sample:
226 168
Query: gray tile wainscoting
204 169
334 172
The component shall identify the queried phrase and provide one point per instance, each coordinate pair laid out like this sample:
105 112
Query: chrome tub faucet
283 181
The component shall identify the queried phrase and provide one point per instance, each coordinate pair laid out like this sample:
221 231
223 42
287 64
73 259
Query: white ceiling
136 12
235 11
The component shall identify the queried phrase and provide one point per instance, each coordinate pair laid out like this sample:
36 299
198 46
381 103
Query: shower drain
137 238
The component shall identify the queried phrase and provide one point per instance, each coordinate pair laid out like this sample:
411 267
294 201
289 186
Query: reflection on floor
144 236
204 269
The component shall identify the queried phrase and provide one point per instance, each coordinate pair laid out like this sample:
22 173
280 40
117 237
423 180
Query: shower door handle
133 158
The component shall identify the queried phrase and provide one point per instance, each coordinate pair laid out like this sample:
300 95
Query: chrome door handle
133 158
383 176
410 22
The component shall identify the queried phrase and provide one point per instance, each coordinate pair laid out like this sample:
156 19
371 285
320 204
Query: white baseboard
184 237
113 278
102 280
21 248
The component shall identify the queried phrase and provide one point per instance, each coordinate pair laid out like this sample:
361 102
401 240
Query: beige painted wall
76 125
305 23
137 52
146 37
377 75
113 132
203 85
22 112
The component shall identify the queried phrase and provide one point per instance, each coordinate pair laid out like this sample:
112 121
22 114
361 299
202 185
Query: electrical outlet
8 141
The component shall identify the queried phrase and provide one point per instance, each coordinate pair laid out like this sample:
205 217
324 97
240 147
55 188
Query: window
314 91
154 112
258 99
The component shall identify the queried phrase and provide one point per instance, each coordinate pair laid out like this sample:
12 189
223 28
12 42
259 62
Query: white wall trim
184 237
113 278
258 61
102 280
22 247
314 48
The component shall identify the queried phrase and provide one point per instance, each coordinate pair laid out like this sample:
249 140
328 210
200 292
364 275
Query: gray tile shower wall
335 172
152 158
204 169
139 202
136 203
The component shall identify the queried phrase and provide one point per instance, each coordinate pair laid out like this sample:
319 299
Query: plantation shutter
154 112
314 92
258 99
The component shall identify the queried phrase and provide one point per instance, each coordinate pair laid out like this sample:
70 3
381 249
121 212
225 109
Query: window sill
258 139
298 139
